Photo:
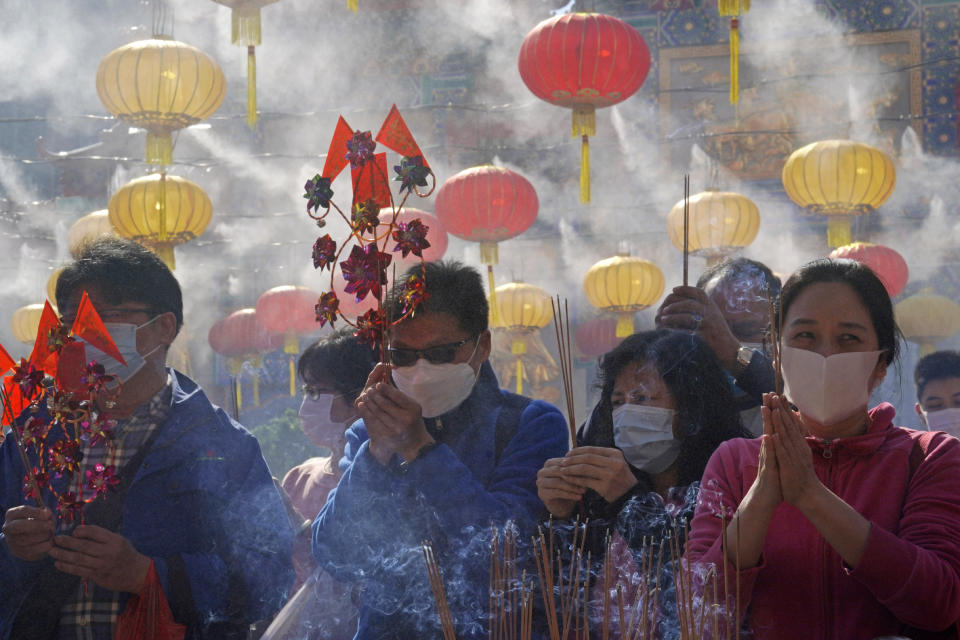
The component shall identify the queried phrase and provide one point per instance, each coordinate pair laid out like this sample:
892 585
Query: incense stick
439 593
561 325
686 229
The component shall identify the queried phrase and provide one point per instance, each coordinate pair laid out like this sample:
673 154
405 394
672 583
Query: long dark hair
706 411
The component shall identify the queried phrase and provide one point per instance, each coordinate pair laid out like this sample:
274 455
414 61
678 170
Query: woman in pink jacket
840 524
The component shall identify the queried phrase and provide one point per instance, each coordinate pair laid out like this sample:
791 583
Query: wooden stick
28 469
686 229
439 593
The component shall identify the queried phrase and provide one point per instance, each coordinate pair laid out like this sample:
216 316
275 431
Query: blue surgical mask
124 336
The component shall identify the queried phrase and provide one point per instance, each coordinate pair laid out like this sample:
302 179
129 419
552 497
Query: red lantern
584 61
487 204
240 337
889 265
597 337
288 310
436 236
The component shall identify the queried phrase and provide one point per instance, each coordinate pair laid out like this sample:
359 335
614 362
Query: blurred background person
937 378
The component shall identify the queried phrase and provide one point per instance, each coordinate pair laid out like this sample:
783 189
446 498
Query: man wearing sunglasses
440 454
195 504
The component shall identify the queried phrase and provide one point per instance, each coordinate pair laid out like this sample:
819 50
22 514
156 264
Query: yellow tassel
245 26
165 253
494 311
734 61
352 5
251 88
584 122
239 394
732 7
585 170
489 253
162 208
293 379
518 347
519 376
159 148
624 325
838 231
256 390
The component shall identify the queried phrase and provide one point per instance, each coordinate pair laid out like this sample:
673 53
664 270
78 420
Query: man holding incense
730 309
194 508
440 454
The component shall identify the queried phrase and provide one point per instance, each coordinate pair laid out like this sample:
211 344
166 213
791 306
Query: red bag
148 615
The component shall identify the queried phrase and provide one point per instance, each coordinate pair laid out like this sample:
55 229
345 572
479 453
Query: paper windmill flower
324 252
365 271
65 456
411 237
30 489
326 308
360 149
370 328
69 506
101 478
318 193
365 216
29 378
411 172
414 293
33 432
96 377
98 429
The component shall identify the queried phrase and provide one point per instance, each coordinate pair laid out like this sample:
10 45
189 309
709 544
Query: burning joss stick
561 325
686 229
439 593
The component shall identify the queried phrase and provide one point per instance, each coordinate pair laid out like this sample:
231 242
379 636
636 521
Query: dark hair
706 411
865 284
340 360
122 271
452 287
938 365
741 269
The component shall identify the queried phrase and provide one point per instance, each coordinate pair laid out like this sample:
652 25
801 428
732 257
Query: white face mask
437 388
315 420
124 336
645 435
943 420
828 389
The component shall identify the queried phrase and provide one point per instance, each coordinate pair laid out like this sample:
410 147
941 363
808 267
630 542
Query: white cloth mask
316 422
943 420
645 435
437 388
124 336
828 389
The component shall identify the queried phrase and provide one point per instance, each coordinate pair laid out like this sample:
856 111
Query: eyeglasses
439 354
314 394
108 314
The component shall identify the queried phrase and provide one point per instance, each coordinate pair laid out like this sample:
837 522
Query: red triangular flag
72 367
370 181
88 326
42 349
337 154
15 402
395 135
6 362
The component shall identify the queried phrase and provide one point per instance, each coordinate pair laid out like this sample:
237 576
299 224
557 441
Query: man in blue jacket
195 500
440 454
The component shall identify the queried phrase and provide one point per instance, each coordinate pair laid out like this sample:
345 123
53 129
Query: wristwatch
744 356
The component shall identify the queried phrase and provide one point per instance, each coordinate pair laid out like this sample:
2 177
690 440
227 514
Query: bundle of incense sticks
439 593
511 603
561 325
776 342
686 229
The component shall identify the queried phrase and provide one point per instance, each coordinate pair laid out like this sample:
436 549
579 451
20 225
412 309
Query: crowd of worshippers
744 437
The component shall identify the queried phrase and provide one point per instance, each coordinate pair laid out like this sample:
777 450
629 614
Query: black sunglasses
440 354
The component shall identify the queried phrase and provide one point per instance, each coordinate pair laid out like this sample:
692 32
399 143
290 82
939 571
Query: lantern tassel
519 376
256 389
352 5
585 170
165 253
251 87
734 61
494 312
162 208
293 378
518 347
624 325
239 394
838 231
245 26
159 148
584 124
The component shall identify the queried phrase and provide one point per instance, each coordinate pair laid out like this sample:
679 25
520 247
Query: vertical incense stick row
439 593
561 325
686 229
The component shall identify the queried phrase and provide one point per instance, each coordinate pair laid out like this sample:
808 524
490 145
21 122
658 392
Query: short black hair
741 269
865 284
122 271
938 365
340 360
453 288
706 411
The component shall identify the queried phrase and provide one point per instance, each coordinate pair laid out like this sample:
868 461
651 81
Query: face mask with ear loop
437 388
829 389
124 336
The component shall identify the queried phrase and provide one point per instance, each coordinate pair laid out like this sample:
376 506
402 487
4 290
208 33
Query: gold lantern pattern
89 227
160 211
720 224
160 85
839 179
522 311
927 318
25 322
623 285
245 31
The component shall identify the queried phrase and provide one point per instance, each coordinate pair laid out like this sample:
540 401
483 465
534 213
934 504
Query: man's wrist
422 447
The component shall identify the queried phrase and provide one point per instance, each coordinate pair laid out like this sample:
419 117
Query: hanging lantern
245 30
584 61
889 265
89 227
522 309
597 337
927 318
720 223
436 236
487 204
239 338
26 322
623 285
734 9
52 286
289 311
160 211
160 85
839 179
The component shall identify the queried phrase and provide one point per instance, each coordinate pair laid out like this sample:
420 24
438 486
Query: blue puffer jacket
203 506
484 471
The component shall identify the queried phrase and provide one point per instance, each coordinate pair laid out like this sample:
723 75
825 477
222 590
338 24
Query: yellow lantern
52 286
245 31
623 284
522 309
89 227
721 223
927 318
26 322
159 212
839 179
161 85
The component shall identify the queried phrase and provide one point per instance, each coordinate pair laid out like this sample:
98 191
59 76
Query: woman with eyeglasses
838 523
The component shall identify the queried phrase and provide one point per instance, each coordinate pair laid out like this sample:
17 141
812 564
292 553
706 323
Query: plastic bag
147 615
